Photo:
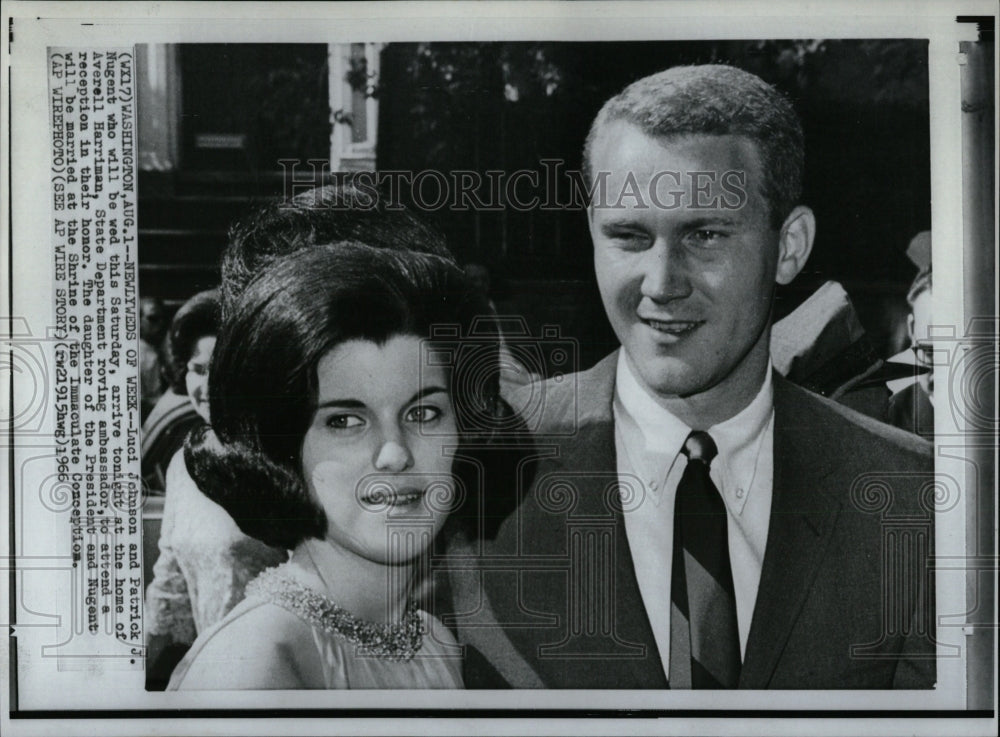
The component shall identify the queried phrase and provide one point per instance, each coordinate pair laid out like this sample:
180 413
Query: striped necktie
704 637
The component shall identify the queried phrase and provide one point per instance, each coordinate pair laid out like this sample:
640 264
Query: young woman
340 397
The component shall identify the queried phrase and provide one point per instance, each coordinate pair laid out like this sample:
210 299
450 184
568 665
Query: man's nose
393 455
665 275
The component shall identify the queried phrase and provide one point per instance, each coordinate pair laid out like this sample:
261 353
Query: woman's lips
387 497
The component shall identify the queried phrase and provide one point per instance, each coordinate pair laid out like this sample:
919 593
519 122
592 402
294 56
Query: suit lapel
631 623
589 460
801 520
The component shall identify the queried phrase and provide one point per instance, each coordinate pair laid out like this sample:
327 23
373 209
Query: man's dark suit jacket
845 599
910 409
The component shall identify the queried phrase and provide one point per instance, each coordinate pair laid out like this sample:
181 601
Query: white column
158 90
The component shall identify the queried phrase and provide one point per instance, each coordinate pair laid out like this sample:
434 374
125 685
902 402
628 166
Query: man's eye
343 422
423 413
706 237
628 238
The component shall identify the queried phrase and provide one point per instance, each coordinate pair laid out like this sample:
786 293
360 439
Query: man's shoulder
565 401
853 434
911 409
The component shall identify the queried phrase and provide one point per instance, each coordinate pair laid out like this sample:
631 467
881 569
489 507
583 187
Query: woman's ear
795 243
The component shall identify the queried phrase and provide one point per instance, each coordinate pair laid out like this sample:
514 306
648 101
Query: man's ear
795 242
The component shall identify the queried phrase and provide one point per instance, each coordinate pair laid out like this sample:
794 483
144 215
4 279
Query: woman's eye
423 413
343 422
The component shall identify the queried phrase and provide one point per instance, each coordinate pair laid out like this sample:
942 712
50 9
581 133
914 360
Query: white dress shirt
648 440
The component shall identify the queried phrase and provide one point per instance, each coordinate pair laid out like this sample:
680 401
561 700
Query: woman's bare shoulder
257 646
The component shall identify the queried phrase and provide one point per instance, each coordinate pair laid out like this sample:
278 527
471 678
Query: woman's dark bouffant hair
329 214
196 318
263 382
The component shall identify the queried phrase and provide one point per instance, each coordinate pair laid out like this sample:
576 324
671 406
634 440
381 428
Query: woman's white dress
284 636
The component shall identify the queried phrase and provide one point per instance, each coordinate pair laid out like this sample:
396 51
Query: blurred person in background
205 561
912 407
184 404
152 328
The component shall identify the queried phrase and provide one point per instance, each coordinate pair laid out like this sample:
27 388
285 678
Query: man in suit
694 520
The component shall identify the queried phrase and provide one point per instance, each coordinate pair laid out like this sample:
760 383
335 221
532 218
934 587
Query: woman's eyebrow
341 403
358 404
427 390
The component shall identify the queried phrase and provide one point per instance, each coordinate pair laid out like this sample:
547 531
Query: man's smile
672 328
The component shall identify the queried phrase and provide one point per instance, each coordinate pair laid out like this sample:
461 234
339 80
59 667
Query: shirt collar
738 439
659 428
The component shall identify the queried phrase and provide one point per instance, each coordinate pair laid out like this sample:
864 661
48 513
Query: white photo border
121 697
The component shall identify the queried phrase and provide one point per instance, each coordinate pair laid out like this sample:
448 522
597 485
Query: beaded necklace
395 641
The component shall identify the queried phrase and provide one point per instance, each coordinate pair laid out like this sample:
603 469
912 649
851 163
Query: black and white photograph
420 363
